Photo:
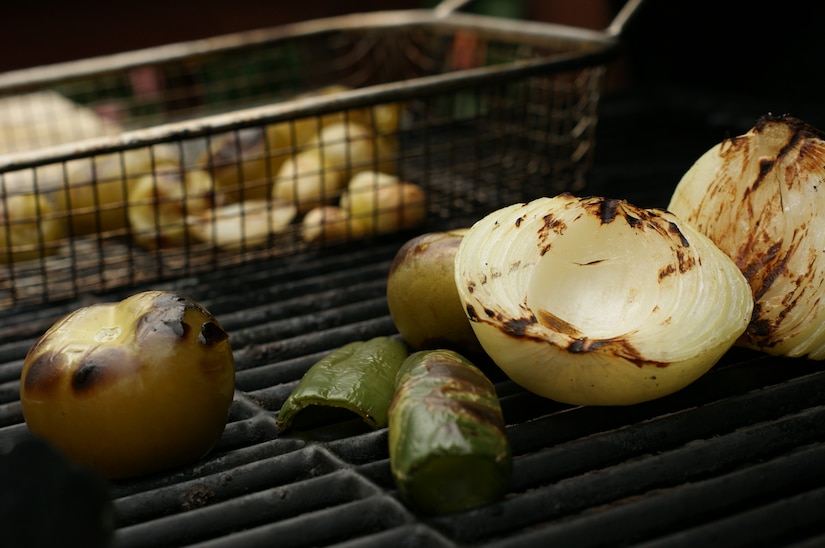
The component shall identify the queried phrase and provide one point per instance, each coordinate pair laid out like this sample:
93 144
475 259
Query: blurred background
758 49
36 33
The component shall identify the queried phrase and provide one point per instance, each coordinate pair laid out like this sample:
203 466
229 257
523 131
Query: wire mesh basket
165 162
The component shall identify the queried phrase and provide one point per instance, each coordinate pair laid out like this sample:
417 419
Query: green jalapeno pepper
447 442
357 378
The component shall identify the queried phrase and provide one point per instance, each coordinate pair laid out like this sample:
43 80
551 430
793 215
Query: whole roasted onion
593 301
760 198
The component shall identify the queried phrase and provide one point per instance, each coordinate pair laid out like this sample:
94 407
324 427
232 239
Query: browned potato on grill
384 118
96 197
45 118
243 162
29 227
373 203
160 204
383 203
307 182
316 175
331 224
243 224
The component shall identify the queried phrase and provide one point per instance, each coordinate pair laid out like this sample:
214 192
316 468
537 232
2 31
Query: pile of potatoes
331 177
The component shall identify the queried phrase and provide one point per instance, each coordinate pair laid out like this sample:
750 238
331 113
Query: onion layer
592 301
760 198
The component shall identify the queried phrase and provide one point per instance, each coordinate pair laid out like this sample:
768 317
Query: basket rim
591 48
537 33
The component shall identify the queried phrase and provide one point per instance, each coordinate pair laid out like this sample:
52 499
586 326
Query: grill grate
744 441
733 460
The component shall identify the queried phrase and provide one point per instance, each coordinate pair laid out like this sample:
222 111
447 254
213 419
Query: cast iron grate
733 460
744 441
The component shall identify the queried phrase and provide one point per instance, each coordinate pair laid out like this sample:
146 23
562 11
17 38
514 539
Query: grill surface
733 460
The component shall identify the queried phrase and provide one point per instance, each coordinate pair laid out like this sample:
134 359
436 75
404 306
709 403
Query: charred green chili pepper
357 378
447 442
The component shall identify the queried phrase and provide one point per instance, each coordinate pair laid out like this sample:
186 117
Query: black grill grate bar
368 449
282 372
10 414
231 290
663 424
246 325
220 462
738 372
661 433
288 468
309 325
663 511
10 390
693 462
271 290
271 504
240 435
333 337
14 434
688 464
12 353
352 520
777 523
406 536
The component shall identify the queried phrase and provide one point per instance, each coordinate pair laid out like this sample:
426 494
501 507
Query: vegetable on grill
422 296
357 378
241 225
131 387
383 202
594 301
160 203
244 161
448 447
97 189
317 174
760 198
30 227
372 203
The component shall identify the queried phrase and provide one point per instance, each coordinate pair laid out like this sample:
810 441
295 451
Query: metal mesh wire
170 161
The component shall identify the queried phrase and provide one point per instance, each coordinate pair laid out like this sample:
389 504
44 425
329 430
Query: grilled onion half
761 197
593 301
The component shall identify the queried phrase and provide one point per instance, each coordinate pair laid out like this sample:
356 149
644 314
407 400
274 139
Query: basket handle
446 7
626 13
614 29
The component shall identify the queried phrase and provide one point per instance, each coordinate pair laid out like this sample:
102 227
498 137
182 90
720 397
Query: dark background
752 48
35 33
768 53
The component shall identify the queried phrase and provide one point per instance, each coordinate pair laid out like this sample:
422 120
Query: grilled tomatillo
131 387
422 296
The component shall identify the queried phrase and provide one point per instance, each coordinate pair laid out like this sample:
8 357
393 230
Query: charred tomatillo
131 387
422 295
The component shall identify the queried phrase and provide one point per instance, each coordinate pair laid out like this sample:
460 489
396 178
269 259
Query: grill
733 460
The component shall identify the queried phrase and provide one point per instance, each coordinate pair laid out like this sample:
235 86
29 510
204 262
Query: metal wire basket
169 161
